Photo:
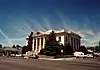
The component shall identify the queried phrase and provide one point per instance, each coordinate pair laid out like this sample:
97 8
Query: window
66 38
38 41
60 39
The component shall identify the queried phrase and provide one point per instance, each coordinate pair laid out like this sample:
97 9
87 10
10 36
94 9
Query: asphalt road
11 63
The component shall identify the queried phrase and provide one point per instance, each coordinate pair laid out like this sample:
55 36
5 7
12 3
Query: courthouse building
64 36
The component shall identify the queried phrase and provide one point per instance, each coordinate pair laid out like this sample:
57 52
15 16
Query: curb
57 59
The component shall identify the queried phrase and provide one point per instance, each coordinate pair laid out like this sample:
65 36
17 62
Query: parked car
18 55
34 57
79 54
30 54
96 54
82 55
88 56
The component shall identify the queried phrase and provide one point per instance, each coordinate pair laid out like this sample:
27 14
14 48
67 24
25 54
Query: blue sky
19 17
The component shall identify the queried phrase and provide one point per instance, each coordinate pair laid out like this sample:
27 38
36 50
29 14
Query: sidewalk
72 58
66 57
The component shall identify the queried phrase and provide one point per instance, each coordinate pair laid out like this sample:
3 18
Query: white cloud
63 21
17 39
47 22
22 29
37 26
6 37
84 28
28 27
89 38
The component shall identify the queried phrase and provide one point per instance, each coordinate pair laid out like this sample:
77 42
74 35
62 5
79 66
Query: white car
96 54
88 56
81 55
30 54
18 55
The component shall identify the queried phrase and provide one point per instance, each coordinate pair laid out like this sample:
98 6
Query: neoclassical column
39 44
43 42
76 44
36 45
33 45
69 40
38 41
73 44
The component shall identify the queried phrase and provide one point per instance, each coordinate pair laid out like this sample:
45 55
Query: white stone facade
62 35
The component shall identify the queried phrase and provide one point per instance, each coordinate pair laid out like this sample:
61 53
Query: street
12 63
